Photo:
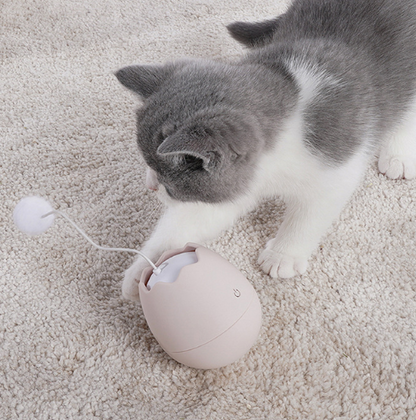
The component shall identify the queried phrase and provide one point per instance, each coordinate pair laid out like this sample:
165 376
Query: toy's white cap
28 214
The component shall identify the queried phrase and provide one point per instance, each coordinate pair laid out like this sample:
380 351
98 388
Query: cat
321 89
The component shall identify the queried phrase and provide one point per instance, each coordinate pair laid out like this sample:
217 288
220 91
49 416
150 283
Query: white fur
311 80
398 153
314 194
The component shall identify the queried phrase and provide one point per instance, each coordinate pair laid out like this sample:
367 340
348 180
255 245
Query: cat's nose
153 186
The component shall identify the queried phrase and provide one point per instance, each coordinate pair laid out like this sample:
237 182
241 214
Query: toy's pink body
209 317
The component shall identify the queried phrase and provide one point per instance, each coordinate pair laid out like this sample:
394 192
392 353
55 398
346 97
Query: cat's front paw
279 264
130 286
397 166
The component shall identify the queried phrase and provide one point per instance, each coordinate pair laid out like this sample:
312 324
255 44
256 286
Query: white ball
28 214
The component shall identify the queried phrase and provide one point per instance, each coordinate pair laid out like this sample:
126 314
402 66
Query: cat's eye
162 137
193 162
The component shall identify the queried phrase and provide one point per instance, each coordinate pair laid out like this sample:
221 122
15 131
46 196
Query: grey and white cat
323 87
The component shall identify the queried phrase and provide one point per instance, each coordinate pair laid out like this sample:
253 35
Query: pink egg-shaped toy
209 317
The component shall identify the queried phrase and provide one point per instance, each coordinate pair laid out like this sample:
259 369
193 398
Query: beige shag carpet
337 343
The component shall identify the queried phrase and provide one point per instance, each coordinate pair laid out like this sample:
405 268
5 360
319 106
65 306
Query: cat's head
195 130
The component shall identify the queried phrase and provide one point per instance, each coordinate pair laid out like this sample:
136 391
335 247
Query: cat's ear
144 80
255 34
181 144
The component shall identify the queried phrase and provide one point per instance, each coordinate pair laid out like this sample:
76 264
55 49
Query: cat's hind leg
398 153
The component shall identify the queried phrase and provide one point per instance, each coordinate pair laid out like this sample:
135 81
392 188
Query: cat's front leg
181 223
308 217
398 154
287 254
130 286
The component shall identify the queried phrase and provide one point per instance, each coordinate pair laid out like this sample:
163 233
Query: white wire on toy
96 245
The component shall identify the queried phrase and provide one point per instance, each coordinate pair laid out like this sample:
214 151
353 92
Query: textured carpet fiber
336 343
